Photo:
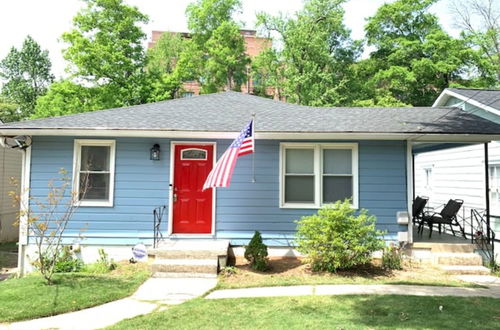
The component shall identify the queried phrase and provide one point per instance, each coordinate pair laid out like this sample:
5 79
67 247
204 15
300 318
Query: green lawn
326 312
29 297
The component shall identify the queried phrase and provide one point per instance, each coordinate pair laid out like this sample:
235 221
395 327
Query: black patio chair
447 216
418 209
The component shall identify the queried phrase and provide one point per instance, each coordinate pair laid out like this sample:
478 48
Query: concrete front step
445 247
185 254
457 259
466 270
207 266
183 275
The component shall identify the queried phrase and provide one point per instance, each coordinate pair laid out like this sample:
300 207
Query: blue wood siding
142 184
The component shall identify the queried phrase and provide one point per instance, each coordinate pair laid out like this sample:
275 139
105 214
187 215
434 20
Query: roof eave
445 95
177 134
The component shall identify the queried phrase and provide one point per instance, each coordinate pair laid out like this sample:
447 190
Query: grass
273 280
29 297
326 312
293 272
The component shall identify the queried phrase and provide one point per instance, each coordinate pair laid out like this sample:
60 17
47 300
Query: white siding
10 166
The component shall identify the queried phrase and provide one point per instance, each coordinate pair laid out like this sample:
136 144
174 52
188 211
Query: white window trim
76 171
318 173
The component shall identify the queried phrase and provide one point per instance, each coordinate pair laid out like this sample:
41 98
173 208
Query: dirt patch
8 264
294 271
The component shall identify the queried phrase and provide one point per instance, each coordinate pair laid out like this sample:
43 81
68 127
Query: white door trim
173 144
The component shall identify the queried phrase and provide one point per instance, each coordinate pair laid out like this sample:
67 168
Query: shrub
256 253
336 238
67 262
392 257
102 265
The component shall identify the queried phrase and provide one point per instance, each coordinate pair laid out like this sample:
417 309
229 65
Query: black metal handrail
157 218
482 235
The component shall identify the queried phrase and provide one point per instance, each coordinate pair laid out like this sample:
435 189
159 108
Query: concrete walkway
154 293
492 291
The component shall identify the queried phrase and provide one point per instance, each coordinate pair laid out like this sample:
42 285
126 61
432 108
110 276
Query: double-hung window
314 174
94 165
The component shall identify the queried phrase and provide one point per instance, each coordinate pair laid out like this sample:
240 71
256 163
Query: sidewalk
492 291
154 293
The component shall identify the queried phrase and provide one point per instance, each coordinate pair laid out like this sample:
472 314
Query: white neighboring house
10 167
459 172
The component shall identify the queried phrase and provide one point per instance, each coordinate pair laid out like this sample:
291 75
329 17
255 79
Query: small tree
256 253
336 238
48 218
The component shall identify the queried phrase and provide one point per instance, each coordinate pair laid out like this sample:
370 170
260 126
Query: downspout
24 209
487 189
410 189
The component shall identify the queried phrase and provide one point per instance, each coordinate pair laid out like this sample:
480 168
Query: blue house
304 158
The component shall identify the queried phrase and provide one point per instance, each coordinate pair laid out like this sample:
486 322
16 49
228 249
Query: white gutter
258 135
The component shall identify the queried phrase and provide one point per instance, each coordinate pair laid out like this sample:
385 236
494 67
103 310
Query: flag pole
253 153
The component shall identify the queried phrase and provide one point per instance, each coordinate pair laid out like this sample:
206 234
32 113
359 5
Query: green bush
392 257
102 265
336 238
256 253
67 262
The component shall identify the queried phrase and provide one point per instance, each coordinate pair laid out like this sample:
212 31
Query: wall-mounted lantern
155 152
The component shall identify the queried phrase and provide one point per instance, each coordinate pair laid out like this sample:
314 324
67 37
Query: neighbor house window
187 94
314 174
495 189
94 172
428 177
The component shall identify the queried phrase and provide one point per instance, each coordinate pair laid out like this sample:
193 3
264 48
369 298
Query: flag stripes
221 174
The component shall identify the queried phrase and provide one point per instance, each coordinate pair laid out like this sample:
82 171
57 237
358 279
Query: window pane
336 188
299 189
299 161
194 154
94 186
337 161
95 158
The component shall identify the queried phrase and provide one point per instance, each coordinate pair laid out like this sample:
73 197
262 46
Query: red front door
192 208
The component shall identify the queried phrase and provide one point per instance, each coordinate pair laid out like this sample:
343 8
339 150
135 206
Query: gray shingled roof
488 97
229 111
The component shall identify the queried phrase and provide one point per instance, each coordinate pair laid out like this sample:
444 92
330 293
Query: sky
46 20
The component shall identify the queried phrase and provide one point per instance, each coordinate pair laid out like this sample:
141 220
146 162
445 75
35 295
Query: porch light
155 152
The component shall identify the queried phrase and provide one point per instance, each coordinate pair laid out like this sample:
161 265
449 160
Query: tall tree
105 49
26 76
480 24
414 59
161 68
216 56
316 56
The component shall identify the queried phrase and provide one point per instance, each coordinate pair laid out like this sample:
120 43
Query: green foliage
256 253
392 257
216 56
105 50
336 238
26 75
9 111
414 59
313 66
67 262
228 271
65 98
480 24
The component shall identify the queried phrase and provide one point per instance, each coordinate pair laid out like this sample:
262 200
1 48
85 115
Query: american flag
220 176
